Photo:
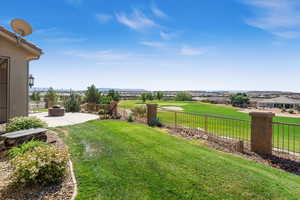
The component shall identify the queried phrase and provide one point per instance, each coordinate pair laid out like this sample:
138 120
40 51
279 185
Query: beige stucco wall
18 77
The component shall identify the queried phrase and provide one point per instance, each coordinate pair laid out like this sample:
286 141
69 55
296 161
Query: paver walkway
68 119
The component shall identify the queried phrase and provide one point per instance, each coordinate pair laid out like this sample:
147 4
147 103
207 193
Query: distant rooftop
280 100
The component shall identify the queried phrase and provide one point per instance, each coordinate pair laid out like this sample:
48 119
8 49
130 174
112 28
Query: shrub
239 100
183 96
130 118
139 111
101 112
159 95
43 165
29 146
23 123
72 103
149 96
144 97
51 95
291 111
92 95
105 100
35 96
155 122
115 96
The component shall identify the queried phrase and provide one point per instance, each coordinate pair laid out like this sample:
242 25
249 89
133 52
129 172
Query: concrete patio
68 119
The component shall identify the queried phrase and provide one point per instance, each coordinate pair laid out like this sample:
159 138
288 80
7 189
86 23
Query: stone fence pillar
261 132
151 112
114 108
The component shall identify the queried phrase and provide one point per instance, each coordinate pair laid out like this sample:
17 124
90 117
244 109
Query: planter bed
63 191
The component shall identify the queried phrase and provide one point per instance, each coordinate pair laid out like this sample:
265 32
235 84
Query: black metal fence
285 137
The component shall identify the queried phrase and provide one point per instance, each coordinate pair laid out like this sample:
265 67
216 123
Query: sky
163 44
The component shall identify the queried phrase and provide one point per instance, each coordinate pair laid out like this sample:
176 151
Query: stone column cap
149 104
262 114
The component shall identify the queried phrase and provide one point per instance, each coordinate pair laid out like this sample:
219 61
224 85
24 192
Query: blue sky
164 44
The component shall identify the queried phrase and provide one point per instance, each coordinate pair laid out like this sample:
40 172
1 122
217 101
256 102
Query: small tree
239 100
159 95
183 96
149 96
115 96
35 96
72 103
105 99
51 95
144 97
92 95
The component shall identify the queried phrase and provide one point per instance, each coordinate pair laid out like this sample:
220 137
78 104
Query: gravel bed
62 191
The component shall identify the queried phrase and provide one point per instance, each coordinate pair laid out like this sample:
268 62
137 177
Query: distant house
15 55
279 102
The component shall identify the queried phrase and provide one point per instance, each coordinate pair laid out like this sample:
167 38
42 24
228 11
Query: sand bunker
174 108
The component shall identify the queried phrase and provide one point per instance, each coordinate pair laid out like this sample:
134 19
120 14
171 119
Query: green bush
105 99
139 111
29 146
43 165
291 111
130 118
72 103
51 95
155 122
240 100
101 112
183 96
114 95
92 95
23 123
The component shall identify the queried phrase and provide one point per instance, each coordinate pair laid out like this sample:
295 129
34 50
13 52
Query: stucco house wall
18 77
19 55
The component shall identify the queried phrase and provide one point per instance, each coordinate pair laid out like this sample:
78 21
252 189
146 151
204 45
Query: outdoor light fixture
31 81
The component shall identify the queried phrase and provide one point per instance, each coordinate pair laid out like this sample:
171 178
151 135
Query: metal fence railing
225 128
286 139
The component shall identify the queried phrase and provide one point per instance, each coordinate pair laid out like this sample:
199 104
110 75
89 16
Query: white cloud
168 35
103 18
288 34
153 44
189 51
136 20
279 17
158 13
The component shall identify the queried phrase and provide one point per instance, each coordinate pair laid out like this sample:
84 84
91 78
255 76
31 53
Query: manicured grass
40 109
284 137
119 160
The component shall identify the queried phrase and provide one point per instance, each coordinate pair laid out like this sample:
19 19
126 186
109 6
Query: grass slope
118 160
284 137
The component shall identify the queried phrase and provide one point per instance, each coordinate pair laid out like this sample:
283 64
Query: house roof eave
37 52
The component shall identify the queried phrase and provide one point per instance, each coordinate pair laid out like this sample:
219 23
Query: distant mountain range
101 89
121 89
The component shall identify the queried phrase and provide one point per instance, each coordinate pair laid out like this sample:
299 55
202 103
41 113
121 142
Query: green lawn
40 109
119 160
284 137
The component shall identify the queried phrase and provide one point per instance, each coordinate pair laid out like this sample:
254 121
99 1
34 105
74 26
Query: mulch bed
8 191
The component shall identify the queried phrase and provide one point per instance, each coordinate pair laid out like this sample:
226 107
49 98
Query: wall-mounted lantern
31 81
